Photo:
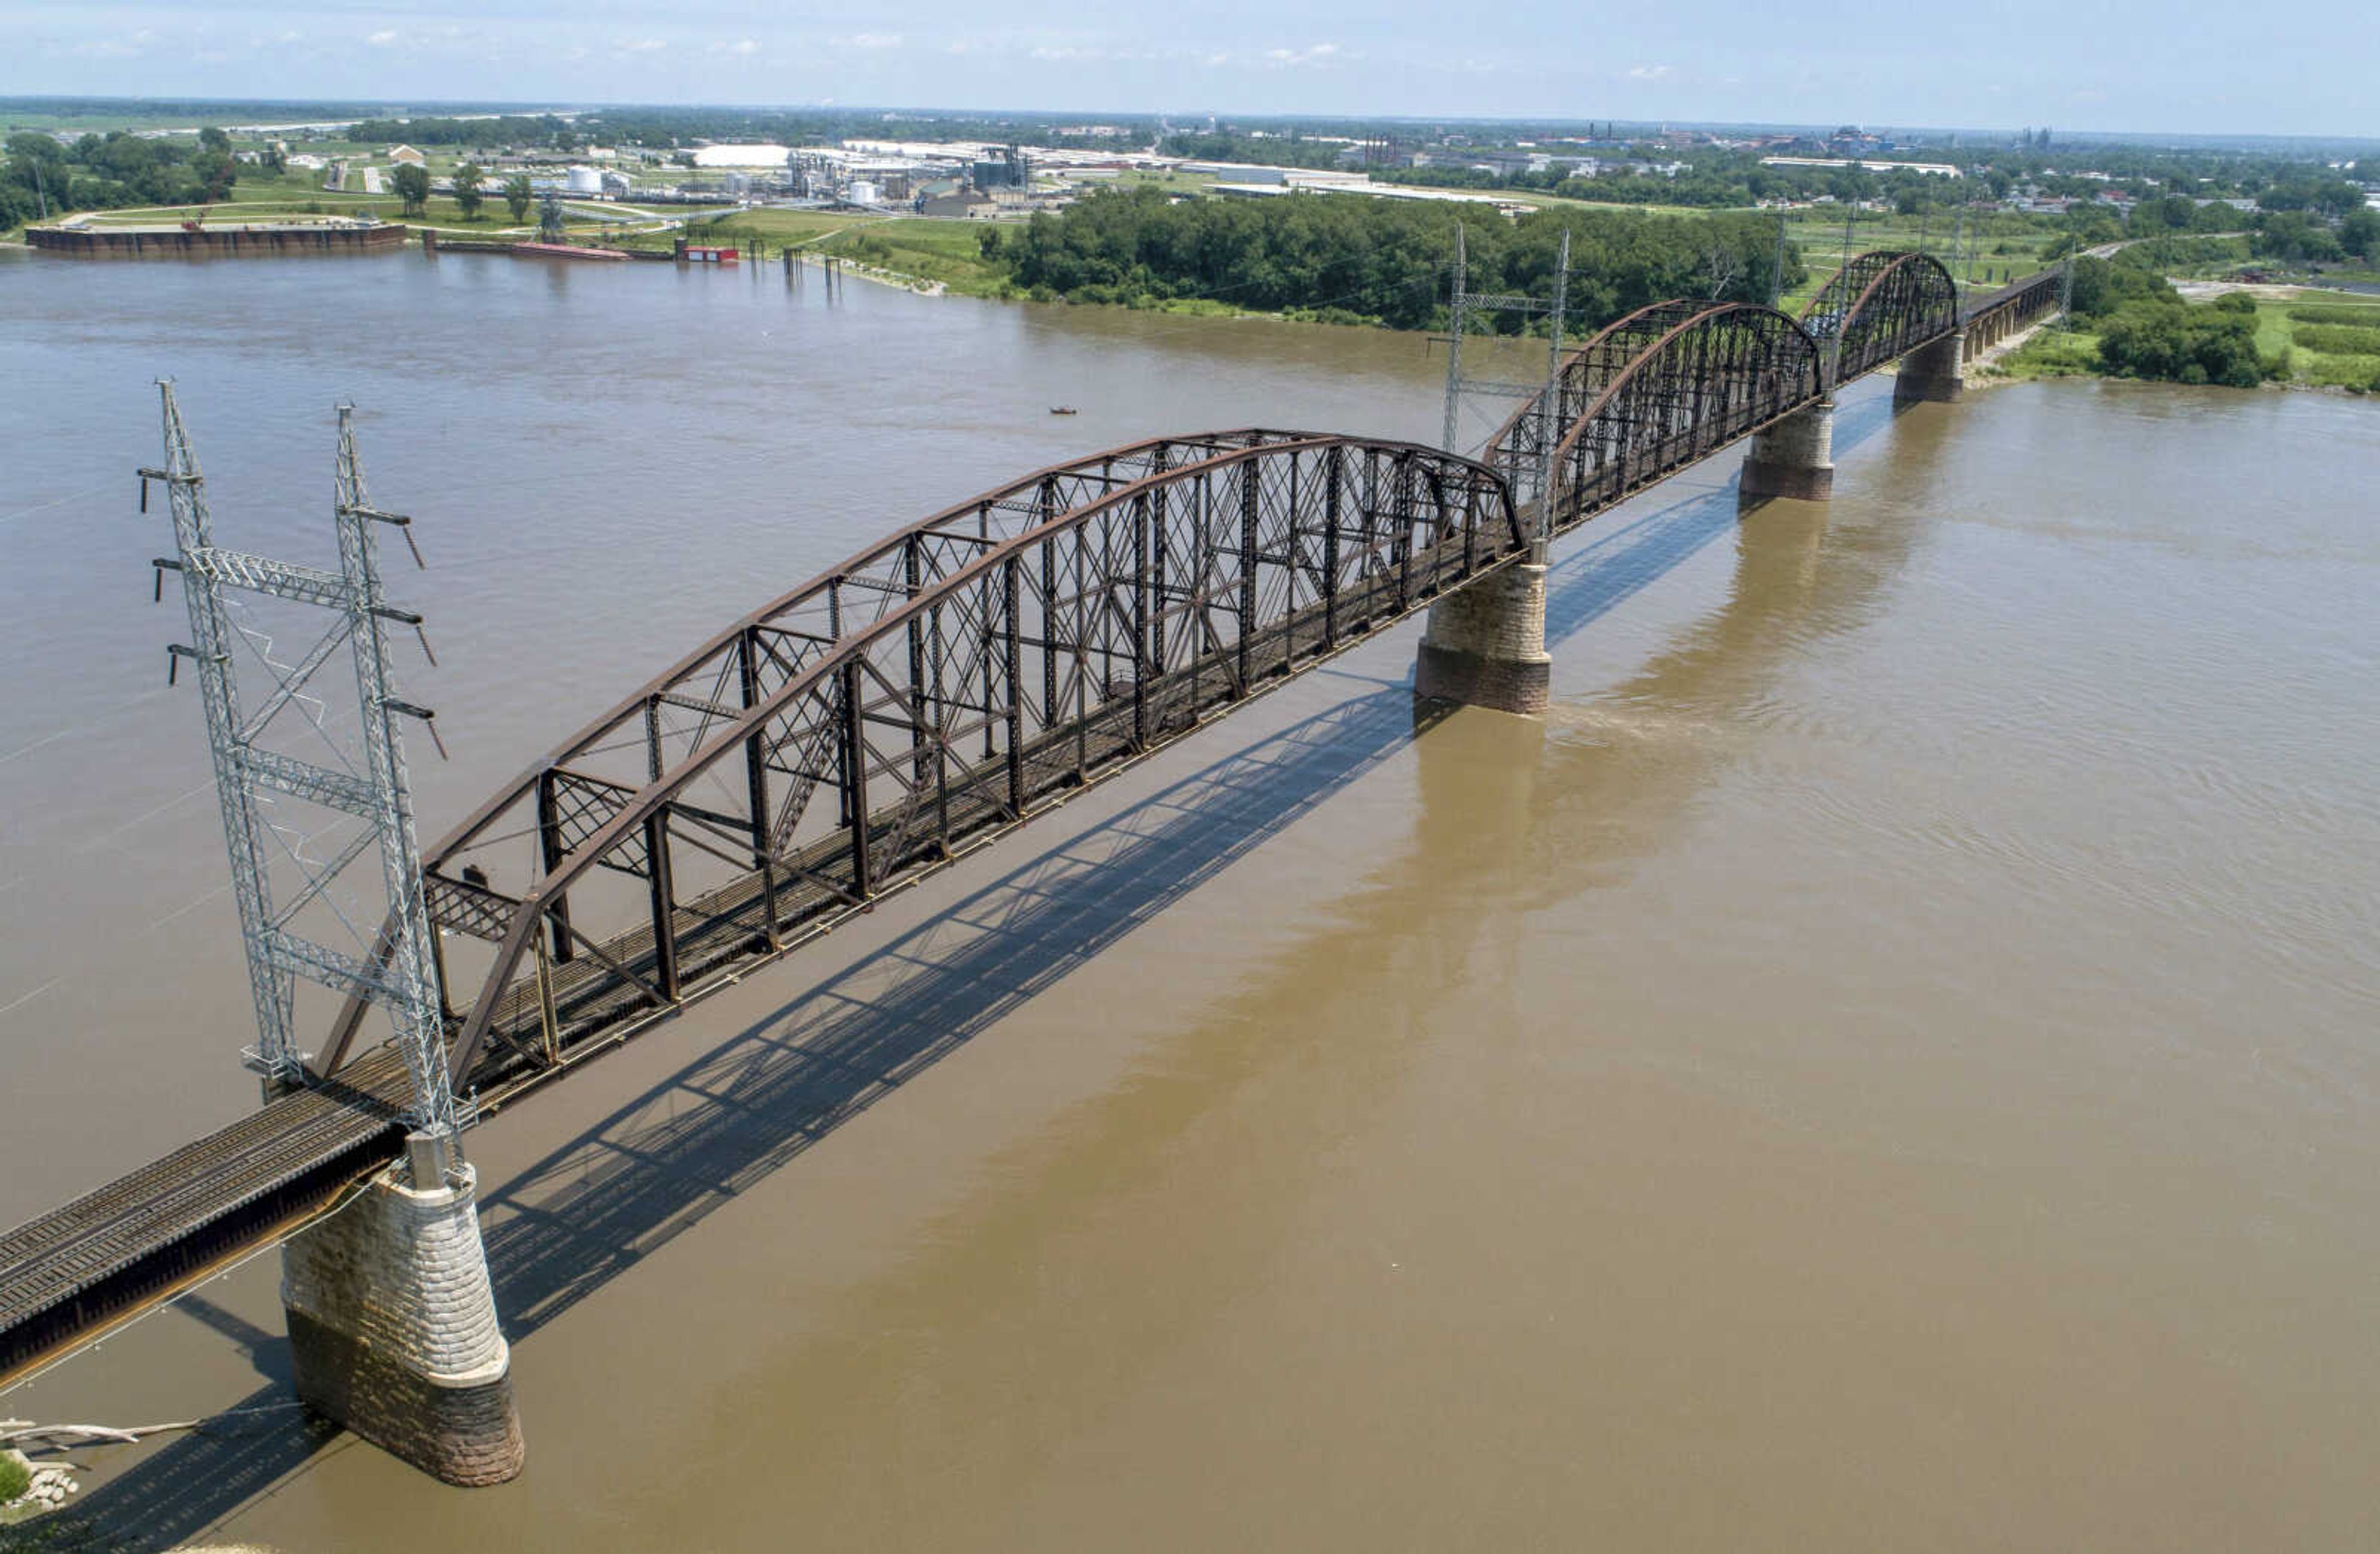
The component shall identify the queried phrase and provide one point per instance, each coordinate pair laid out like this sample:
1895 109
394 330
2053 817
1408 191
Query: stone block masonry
1794 458
1929 373
394 1333
1486 644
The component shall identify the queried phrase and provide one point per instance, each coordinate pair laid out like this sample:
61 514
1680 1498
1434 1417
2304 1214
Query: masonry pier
1485 643
393 1323
1793 458
1929 372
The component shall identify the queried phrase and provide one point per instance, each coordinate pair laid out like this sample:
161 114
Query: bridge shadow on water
661 1163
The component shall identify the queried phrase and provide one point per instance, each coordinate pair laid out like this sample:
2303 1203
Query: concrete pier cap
392 1328
1793 458
1486 644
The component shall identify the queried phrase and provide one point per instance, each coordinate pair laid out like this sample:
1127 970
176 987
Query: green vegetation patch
2053 354
1345 256
2359 373
2336 313
2338 339
14 1476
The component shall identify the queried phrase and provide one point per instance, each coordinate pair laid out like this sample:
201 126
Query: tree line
1349 257
44 175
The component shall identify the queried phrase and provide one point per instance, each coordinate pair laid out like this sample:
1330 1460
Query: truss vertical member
397 972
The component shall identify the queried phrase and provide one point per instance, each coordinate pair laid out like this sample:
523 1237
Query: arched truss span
941 685
1885 305
1667 385
983 665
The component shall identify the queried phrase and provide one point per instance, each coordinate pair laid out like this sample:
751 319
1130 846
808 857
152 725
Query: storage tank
863 192
585 180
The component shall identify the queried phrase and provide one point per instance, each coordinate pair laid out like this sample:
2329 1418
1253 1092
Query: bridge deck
62 1274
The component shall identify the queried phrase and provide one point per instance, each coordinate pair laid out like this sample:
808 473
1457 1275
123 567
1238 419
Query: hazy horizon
2128 68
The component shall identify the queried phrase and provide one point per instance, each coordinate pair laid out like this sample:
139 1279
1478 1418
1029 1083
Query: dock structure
199 240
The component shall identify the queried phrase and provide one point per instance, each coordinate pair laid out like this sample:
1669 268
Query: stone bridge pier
1929 372
1793 458
1485 643
393 1325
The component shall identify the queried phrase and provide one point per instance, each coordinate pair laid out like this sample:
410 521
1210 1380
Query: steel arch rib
461 837
1705 435
1907 298
850 653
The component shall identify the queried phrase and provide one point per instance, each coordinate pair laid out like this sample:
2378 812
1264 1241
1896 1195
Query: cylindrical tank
585 180
862 192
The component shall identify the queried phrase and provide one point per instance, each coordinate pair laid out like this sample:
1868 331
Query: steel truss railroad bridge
927 697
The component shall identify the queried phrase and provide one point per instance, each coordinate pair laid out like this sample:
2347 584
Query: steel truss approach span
924 698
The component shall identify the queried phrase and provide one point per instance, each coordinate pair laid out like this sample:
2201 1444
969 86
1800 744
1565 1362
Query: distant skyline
2124 66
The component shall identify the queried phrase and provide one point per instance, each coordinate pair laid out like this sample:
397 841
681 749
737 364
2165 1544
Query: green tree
2360 233
412 187
213 140
467 190
519 196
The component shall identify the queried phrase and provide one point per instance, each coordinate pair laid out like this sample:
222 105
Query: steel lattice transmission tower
1462 303
395 971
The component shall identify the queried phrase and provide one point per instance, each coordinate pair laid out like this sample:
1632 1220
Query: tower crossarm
283 579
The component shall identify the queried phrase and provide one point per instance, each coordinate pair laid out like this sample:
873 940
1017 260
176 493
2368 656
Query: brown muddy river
1892 1061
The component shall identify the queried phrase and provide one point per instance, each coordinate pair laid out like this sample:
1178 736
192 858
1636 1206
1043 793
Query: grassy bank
2324 339
916 247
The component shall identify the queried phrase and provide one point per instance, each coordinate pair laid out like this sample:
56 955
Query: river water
1890 1061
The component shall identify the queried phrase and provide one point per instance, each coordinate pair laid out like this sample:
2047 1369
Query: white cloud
872 40
740 46
1647 72
640 46
1291 59
382 38
1067 52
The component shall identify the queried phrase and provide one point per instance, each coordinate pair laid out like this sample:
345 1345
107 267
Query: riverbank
2320 339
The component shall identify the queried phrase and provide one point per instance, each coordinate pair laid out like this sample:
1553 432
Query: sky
2177 67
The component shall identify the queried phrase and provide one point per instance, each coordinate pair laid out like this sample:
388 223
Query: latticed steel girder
1883 305
931 693
948 682
1661 387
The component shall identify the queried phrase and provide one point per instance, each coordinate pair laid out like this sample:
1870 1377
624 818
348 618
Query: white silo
585 180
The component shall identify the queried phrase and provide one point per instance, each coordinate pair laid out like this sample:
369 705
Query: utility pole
1459 304
1550 419
1777 276
2066 278
1843 303
363 799
1462 304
